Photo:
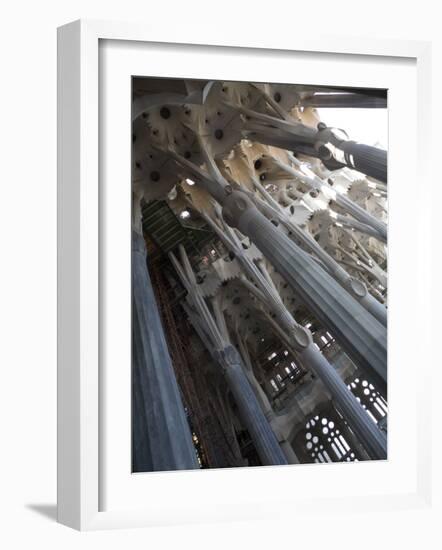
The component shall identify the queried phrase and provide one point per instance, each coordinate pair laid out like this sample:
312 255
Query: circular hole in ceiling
165 112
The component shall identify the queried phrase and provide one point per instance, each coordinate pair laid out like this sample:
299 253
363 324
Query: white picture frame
80 429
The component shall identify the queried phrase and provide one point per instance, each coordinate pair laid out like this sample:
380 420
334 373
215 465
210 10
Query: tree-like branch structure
294 214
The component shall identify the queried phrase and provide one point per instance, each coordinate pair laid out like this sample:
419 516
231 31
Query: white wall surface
28 269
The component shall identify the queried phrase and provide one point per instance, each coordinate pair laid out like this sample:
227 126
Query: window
370 399
326 439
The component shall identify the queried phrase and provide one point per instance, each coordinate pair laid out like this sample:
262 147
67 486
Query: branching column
299 339
357 289
230 361
341 200
361 335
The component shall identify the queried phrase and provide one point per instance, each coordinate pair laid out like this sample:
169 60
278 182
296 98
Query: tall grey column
161 435
251 413
264 402
360 334
366 159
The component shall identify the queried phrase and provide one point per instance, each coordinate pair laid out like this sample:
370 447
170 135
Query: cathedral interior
259 277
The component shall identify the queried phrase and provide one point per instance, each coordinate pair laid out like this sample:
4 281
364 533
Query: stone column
262 435
360 334
366 159
161 435
361 227
265 403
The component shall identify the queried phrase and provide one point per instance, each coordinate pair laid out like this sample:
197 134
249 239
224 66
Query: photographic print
259 274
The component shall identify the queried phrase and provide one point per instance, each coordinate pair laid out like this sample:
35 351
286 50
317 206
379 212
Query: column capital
234 205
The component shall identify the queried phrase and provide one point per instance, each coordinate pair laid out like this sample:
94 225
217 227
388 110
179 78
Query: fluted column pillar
265 404
366 159
251 413
161 435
